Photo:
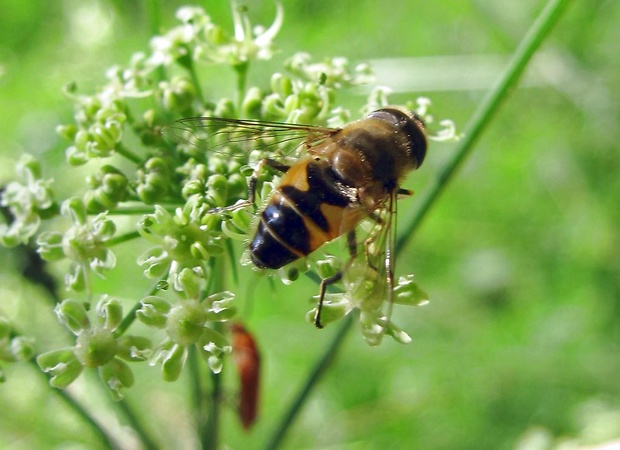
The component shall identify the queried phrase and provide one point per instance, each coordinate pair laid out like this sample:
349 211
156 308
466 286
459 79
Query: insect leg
322 289
352 244
277 165
325 282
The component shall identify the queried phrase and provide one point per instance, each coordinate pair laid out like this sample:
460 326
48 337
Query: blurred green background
520 344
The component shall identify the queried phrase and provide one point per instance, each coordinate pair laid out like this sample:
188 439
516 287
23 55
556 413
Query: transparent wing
369 279
238 137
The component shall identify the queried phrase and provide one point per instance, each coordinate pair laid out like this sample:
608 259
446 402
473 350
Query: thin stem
197 390
154 13
122 238
481 118
230 251
210 435
188 64
137 426
131 156
485 112
131 315
212 428
316 373
105 438
139 209
241 70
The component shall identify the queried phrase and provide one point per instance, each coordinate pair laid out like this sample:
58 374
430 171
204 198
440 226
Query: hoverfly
345 175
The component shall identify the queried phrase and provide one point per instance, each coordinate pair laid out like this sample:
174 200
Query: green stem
316 373
131 315
154 13
188 63
241 70
122 238
140 209
105 439
197 390
137 426
481 118
210 435
485 112
131 156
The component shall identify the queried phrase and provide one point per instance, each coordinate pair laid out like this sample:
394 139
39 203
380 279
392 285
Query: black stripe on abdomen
281 237
323 188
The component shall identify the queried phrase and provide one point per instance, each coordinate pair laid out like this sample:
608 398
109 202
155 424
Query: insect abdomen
306 211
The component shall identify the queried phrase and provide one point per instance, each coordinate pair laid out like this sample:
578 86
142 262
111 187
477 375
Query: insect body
348 174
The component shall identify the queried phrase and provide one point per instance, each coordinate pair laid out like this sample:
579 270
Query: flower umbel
199 39
84 244
187 324
96 346
181 196
26 203
13 347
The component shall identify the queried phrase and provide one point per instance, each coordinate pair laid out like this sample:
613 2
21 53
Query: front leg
325 282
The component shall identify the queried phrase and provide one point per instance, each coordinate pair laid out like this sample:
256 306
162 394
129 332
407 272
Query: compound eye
392 116
412 125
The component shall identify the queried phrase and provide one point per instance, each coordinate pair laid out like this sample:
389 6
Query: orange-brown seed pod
247 360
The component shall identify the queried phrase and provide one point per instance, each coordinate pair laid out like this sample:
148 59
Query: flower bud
50 246
242 219
328 266
75 157
75 279
82 138
72 314
210 222
202 252
188 283
154 311
156 260
215 345
21 348
61 365
134 348
192 187
373 327
108 187
117 376
110 311
217 190
102 227
252 103
409 293
173 362
335 307
104 138
225 108
66 131
397 334
153 180
178 95
281 85
75 208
